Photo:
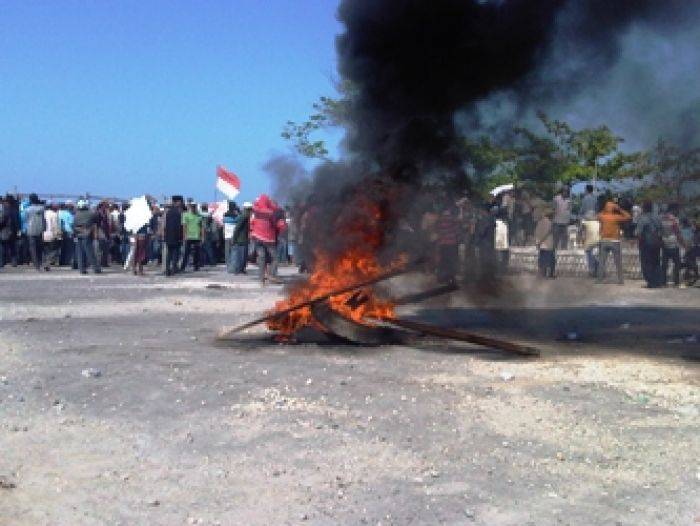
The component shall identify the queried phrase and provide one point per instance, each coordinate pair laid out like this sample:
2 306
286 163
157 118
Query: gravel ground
118 405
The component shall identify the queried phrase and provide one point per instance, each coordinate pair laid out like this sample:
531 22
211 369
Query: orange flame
356 264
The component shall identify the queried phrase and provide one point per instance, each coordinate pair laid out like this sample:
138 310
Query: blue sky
129 97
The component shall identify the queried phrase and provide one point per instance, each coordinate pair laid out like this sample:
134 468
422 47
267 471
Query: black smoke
416 65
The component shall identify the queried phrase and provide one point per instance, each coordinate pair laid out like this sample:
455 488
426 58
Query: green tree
327 112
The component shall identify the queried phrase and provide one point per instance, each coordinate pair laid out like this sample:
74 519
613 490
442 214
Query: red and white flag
227 182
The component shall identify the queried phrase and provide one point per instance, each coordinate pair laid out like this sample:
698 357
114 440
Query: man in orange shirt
611 219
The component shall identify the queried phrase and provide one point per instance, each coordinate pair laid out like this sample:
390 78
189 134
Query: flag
227 182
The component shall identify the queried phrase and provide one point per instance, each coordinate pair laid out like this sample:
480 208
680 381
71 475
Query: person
282 256
124 244
208 235
649 241
483 242
102 238
589 202
292 235
230 219
52 237
672 241
264 231
85 228
611 220
590 233
141 249
544 240
562 218
172 234
192 234
65 219
5 230
35 230
9 231
501 243
153 248
240 239
447 230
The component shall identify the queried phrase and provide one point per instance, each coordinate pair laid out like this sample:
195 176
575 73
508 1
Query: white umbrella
137 215
500 189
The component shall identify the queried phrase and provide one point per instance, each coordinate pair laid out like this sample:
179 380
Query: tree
674 171
327 112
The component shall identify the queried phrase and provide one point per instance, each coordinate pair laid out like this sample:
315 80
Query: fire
356 264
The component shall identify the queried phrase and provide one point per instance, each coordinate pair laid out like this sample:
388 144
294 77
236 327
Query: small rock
561 456
507 376
309 381
91 372
572 336
625 326
154 502
469 514
6 483
3 380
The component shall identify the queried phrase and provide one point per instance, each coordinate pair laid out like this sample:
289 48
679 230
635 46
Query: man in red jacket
264 229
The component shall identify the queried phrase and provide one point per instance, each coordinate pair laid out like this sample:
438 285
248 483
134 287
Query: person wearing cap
85 228
240 239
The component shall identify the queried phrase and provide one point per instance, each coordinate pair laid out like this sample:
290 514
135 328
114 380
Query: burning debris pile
417 68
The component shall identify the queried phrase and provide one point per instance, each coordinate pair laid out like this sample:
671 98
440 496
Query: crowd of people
181 234
177 236
600 224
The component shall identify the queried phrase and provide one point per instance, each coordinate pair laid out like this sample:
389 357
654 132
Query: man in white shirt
52 236
590 232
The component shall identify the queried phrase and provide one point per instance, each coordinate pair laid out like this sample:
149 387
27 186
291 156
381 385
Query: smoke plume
417 64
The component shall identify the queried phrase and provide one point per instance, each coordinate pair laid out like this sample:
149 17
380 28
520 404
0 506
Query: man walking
264 232
611 219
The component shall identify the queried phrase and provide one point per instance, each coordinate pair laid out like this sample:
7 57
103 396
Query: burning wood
464 336
346 292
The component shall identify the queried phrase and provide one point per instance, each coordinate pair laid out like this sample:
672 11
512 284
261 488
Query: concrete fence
573 262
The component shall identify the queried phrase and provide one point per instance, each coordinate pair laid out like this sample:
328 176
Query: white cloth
52 231
138 214
228 230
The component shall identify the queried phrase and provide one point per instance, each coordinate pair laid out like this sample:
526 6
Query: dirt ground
119 406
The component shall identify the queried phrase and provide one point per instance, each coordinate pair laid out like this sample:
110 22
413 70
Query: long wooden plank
464 336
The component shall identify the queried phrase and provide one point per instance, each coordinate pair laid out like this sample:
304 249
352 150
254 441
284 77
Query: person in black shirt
172 235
